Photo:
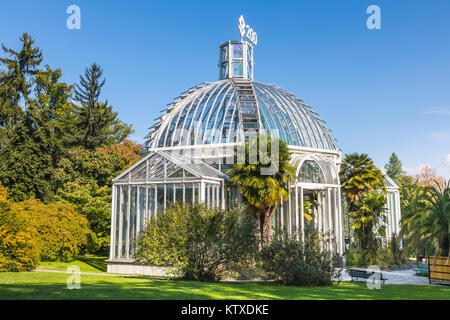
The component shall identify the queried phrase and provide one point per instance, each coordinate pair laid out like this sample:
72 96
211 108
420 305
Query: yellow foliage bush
50 221
19 246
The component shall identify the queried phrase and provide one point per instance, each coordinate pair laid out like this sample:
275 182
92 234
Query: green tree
53 97
367 221
95 123
16 83
362 181
28 160
394 167
34 142
358 174
427 219
84 178
262 192
409 190
94 203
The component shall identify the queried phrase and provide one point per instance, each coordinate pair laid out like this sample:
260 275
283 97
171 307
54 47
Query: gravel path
395 277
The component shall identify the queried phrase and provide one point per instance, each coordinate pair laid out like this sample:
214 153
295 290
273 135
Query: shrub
19 250
50 221
94 203
387 255
291 261
83 179
198 243
355 257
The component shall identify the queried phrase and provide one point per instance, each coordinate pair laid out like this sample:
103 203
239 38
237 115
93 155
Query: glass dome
220 112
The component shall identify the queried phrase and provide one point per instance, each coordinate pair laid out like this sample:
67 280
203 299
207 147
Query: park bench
365 274
422 268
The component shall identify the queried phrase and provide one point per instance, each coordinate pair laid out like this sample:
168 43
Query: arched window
310 172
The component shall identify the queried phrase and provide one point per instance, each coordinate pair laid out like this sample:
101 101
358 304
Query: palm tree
427 218
262 192
367 218
362 181
358 174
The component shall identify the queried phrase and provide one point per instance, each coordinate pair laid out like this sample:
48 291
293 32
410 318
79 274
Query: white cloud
438 112
444 169
416 170
447 159
444 134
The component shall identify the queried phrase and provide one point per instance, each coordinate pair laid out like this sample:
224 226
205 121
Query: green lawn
87 263
42 285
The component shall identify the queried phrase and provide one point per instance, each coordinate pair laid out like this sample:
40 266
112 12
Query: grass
87 263
43 285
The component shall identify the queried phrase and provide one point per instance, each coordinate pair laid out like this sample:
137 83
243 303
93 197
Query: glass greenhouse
191 146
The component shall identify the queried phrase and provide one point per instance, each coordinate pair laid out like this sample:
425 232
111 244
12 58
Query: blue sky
380 91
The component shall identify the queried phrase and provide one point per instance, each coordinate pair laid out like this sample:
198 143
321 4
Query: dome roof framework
211 113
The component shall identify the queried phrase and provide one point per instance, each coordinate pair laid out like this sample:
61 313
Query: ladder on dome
248 106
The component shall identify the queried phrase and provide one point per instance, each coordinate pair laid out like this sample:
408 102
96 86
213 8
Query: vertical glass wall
135 204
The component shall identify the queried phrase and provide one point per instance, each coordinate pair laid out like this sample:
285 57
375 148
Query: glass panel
208 195
169 194
196 192
188 192
133 216
117 223
224 51
292 205
238 51
139 173
223 71
124 220
187 174
179 193
176 174
284 206
142 207
212 196
238 69
160 198
151 201
311 172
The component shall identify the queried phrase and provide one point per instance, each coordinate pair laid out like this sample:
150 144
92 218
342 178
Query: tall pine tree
19 69
34 143
28 160
394 167
96 124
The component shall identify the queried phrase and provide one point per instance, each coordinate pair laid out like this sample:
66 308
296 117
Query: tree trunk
265 226
445 246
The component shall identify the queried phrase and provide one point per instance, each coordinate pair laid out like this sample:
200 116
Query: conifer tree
33 144
27 163
19 69
394 167
95 121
